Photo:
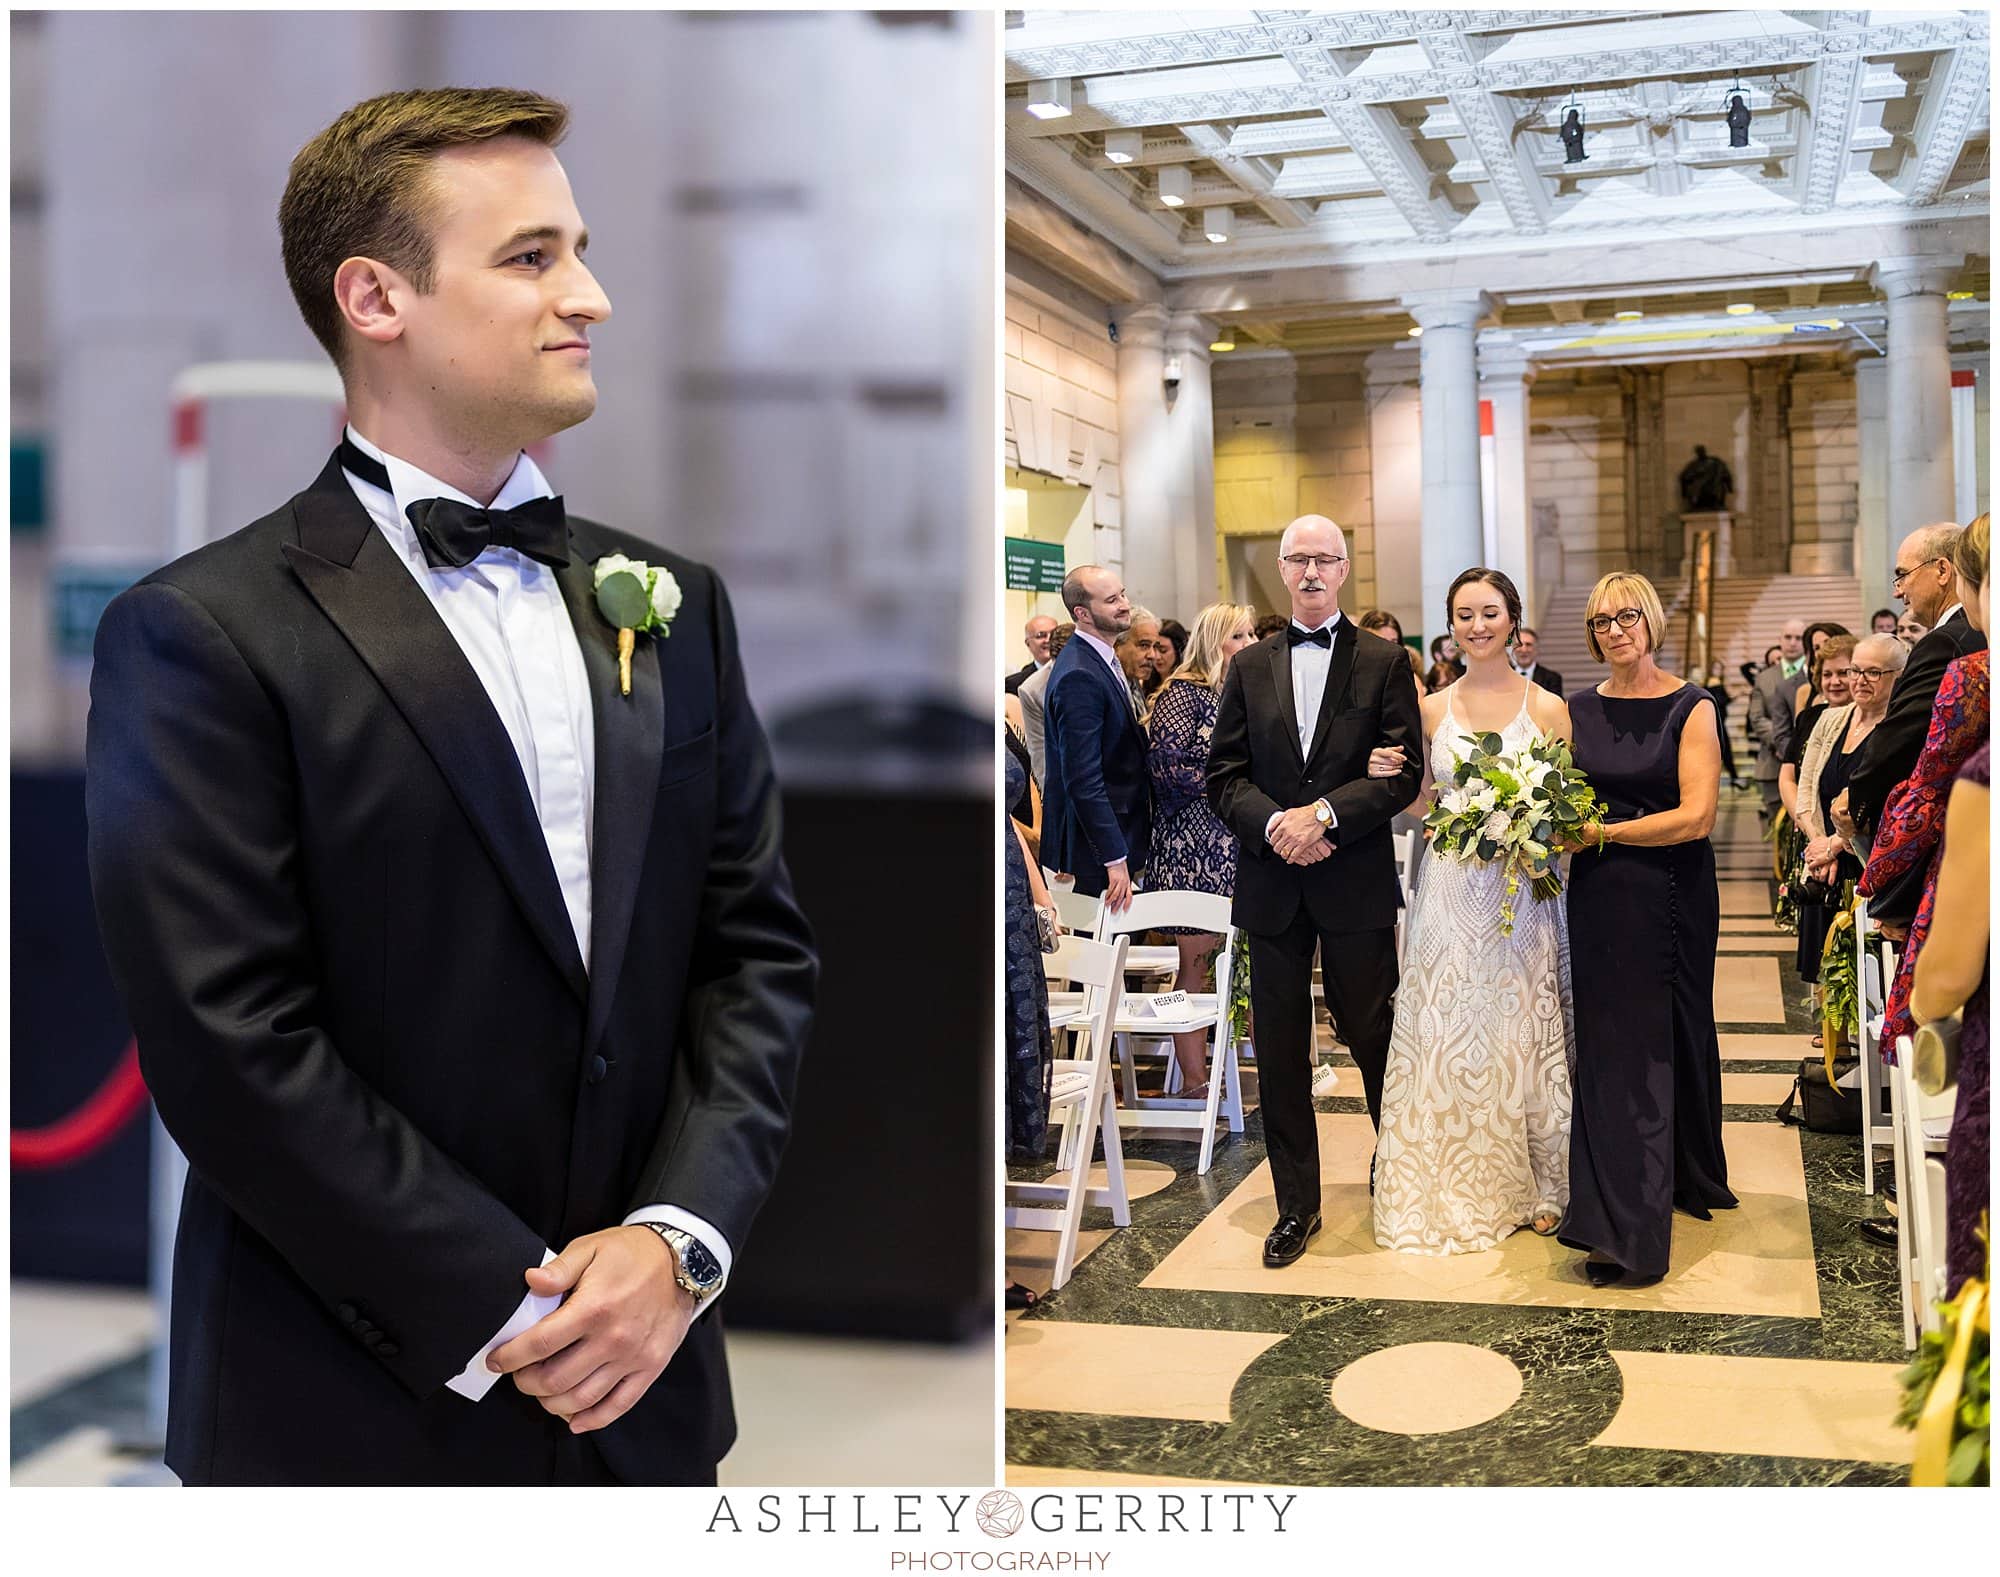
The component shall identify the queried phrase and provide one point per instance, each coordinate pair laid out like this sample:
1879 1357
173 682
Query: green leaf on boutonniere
622 599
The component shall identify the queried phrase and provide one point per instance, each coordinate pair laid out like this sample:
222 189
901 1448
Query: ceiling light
1628 316
1049 100
1122 147
1176 185
1961 295
1739 309
1217 223
1417 332
1225 339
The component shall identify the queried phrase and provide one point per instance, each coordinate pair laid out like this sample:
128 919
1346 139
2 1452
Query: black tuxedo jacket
1014 679
361 1010
1889 755
1549 679
1097 800
1255 769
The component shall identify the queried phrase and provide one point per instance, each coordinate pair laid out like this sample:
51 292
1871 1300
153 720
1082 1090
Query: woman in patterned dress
1192 851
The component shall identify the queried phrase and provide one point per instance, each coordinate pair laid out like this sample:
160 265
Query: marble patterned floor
1768 1355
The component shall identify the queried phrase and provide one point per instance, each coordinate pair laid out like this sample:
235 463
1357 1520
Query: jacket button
598 1068
347 1311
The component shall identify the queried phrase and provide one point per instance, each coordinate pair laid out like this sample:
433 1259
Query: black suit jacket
1549 679
1255 769
361 1010
1889 755
1014 679
1097 800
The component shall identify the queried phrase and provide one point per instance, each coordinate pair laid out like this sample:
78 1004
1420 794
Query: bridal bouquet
1512 806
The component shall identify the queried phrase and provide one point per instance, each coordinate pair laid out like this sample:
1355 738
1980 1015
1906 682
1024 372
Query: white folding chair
1876 968
1205 1010
1923 1126
1081 1096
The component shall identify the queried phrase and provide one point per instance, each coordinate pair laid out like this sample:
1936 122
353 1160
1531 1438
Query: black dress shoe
1603 1275
1288 1240
1883 1232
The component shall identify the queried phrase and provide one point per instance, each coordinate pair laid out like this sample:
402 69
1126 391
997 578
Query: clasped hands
622 1320
1299 838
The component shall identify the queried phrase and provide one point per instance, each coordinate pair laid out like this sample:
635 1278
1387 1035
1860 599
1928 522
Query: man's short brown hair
362 187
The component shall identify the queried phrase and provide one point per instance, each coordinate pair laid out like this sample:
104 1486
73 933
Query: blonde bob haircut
1623 589
1212 626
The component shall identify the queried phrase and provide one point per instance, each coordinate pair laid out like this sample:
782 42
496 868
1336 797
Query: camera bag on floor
1822 1106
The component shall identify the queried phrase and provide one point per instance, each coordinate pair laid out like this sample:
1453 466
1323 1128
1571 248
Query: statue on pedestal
1705 484
1572 138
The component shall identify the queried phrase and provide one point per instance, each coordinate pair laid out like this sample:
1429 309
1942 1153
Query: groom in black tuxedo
1315 866
470 983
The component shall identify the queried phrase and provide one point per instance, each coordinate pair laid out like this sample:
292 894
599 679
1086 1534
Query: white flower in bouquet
1496 826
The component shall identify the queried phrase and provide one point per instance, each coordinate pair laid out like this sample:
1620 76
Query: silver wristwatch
695 1269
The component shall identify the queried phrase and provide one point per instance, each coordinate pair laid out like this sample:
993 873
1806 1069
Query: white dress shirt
1310 665
507 613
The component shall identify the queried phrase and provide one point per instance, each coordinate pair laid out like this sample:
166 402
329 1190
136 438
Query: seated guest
1036 638
1882 622
1097 805
1032 695
1901 880
1192 850
1910 629
1927 580
1526 645
1951 976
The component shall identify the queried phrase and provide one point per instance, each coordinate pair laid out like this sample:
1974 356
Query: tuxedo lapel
1338 672
351 571
1281 674
629 730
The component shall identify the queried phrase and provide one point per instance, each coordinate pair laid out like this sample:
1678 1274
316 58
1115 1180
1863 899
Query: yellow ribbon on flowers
1935 1423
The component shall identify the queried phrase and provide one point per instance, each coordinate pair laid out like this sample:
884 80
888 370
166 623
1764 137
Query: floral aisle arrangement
1513 807
1786 846
1948 1389
1839 985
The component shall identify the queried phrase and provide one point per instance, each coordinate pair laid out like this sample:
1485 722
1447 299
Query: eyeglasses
1899 575
1318 561
1873 675
1624 618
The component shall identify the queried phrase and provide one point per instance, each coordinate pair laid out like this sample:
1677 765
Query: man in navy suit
1097 810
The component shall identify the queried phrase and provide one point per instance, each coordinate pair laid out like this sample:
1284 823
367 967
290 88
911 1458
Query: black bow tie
453 534
1323 636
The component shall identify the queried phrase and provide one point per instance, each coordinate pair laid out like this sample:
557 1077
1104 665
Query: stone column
1449 374
1506 373
1920 469
1396 485
1874 548
1167 460
1765 541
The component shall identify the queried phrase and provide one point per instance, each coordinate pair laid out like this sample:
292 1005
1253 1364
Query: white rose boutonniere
635 598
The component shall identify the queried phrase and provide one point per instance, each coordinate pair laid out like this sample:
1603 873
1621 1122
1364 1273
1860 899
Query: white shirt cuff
1276 817
703 1232
475 1379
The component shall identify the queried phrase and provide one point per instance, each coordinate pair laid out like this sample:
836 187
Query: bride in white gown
1474 1137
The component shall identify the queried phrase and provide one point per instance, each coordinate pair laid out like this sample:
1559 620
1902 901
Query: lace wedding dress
1474 1139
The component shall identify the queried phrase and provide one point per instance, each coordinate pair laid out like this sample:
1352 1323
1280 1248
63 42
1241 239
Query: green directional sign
81 592
1034 566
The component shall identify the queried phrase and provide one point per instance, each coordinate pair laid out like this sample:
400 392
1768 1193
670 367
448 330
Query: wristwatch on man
1324 812
695 1269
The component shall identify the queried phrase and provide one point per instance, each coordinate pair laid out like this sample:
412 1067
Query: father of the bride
445 894
1315 867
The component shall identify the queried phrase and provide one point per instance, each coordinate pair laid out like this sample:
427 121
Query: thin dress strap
1527 685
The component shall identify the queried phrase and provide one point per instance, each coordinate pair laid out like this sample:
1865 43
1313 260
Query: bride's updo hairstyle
1500 583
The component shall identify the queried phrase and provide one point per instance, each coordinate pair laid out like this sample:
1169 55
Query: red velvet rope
91 1126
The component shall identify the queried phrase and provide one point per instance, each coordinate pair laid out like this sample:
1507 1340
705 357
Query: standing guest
450 937
1719 693
1831 858
1014 738
1927 580
1768 713
1751 670
1036 638
1269 625
1175 634
1416 670
1527 665
1033 696
1192 850
1828 672
1951 976
1910 629
1644 915
1904 857
1380 621
1146 664
1030 1051
1444 668
1316 867
1882 622
1097 802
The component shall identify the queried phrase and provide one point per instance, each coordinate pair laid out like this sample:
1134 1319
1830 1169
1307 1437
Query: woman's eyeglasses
1624 618
1873 675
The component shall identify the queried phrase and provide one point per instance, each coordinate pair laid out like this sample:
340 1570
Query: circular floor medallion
1426 1388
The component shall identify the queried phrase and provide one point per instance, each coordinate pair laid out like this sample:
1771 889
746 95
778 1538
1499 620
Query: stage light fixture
1218 224
1740 309
1628 316
1123 147
1049 100
1176 185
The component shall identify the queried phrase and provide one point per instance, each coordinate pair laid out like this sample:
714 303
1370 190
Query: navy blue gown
1646 1128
